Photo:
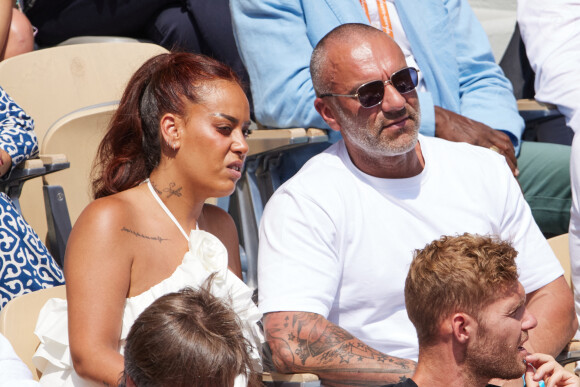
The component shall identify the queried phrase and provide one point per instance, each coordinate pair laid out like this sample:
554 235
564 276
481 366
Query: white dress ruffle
206 255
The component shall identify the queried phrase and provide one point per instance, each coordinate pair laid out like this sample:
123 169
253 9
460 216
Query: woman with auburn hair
177 139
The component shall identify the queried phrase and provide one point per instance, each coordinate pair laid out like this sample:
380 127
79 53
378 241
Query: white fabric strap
164 207
378 15
372 12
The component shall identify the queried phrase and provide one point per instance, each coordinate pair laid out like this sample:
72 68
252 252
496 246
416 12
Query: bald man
337 239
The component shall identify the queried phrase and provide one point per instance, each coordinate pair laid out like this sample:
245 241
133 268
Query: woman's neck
179 198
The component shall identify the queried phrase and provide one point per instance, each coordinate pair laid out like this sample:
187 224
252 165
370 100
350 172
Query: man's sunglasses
371 94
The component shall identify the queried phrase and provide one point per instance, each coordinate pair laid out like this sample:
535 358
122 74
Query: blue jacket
276 38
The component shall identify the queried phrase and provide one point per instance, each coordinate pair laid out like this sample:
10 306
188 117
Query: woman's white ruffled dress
206 255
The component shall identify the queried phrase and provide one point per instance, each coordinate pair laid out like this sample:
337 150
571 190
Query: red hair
131 148
456 273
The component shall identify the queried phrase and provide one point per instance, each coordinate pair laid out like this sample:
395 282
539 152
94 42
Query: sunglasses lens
371 94
405 80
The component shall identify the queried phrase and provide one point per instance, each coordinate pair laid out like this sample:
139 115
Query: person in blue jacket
463 93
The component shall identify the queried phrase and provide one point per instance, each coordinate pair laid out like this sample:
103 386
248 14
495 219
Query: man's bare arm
553 307
307 342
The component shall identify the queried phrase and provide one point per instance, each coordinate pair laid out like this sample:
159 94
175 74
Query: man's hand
548 370
455 127
5 162
307 342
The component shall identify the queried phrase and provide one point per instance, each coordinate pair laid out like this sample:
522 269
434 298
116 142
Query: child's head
188 338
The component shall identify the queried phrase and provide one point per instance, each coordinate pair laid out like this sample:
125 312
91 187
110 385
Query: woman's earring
173 146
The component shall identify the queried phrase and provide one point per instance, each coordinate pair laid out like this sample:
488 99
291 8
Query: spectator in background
16 32
25 263
463 93
188 339
551 34
197 26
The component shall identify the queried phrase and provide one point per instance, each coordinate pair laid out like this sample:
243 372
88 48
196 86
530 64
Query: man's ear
170 130
463 327
327 113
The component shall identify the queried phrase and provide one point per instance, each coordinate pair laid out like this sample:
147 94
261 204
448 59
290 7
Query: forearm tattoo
153 238
309 338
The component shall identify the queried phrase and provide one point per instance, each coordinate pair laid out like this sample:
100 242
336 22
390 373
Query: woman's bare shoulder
112 210
99 227
98 248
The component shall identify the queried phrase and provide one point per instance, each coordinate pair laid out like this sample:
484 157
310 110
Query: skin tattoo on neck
159 192
170 191
153 238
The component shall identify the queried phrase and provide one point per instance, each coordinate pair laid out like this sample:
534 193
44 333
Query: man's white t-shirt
338 242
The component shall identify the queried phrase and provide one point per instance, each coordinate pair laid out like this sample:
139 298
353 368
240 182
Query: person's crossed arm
303 342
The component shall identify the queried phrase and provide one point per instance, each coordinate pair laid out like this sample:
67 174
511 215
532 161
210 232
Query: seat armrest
571 353
530 109
316 135
54 162
275 140
290 380
27 170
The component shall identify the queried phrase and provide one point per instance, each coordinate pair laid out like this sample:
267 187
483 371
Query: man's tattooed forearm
153 238
355 381
313 337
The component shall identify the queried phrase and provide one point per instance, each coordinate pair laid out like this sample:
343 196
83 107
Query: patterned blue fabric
25 263
17 136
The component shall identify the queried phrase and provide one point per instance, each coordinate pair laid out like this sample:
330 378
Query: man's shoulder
440 144
471 155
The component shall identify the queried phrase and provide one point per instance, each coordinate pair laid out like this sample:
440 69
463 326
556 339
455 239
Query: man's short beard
491 359
373 146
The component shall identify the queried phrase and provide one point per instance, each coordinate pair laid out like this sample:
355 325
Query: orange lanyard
383 15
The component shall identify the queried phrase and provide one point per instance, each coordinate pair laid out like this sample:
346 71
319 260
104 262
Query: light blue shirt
276 38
